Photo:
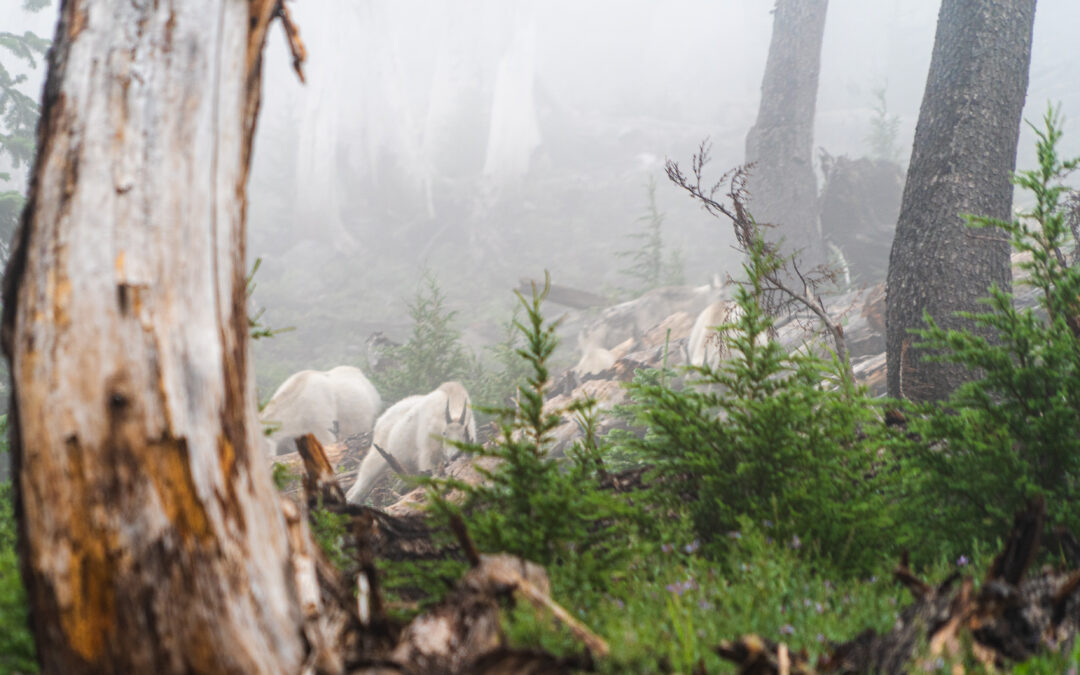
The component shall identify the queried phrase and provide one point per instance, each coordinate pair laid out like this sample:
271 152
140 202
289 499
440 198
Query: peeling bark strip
152 540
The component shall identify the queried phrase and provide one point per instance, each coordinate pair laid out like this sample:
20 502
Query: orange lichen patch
118 265
88 615
229 473
226 457
169 469
58 296
91 615
61 302
199 653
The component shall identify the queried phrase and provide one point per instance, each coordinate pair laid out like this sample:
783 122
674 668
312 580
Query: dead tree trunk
151 536
964 151
782 184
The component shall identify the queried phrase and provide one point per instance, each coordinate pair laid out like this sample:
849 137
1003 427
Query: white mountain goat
373 462
706 344
333 405
415 432
594 358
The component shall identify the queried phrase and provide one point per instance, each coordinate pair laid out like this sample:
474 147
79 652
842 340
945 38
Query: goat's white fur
706 344
414 431
311 401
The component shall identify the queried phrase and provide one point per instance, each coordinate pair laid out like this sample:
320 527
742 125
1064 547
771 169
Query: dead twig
727 198
292 37
394 465
457 525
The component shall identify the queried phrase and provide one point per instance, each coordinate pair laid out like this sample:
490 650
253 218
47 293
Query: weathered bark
965 148
151 537
782 184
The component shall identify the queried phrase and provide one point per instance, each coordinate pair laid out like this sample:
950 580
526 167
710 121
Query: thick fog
489 140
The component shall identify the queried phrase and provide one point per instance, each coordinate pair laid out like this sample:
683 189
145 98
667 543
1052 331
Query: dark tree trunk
965 149
782 184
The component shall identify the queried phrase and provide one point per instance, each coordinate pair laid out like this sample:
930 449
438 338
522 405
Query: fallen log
565 295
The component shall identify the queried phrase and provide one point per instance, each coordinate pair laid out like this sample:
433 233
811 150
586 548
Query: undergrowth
17 653
531 505
769 435
434 352
1013 432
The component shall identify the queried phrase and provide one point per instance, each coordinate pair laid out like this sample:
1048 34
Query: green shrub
544 510
413 586
884 130
330 531
434 352
495 386
649 268
1014 432
256 328
772 436
17 654
671 607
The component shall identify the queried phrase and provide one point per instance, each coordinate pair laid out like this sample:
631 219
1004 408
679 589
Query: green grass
673 606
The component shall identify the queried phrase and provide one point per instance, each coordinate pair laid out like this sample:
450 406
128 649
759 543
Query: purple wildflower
962 561
680 587
692 546
795 542
787 629
667 548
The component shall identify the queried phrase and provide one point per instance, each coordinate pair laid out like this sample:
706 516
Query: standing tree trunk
151 537
782 184
965 149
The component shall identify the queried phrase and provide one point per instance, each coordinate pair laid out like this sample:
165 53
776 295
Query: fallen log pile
1011 617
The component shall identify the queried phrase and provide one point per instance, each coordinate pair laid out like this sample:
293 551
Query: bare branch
292 36
781 294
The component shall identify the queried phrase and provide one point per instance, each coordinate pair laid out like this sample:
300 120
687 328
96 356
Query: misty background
489 140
